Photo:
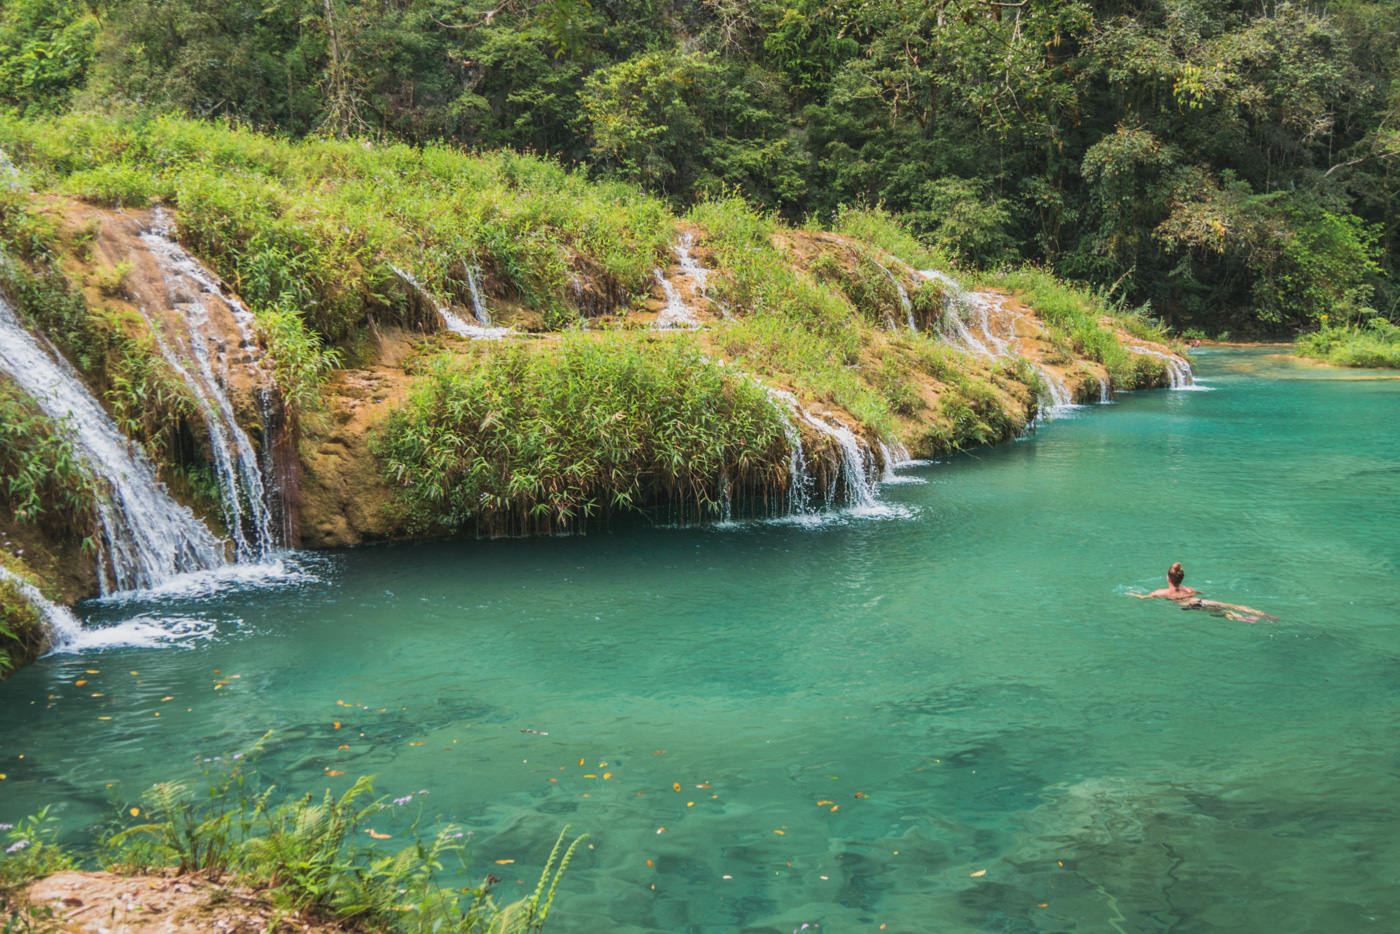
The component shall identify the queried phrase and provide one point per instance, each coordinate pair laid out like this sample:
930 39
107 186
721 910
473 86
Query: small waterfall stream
60 622
450 319
247 503
146 536
1178 370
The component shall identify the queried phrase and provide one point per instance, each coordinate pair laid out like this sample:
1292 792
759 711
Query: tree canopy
1236 164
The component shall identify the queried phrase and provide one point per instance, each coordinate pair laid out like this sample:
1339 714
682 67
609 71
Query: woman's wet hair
1176 574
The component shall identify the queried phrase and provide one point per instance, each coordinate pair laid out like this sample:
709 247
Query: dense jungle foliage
1233 162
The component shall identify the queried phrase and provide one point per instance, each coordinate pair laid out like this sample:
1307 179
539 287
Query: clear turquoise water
969 684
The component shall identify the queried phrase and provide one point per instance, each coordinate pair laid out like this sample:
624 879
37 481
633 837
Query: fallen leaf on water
1043 905
676 786
92 671
580 762
80 682
836 807
334 772
99 695
823 878
648 862
660 829
335 724
504 862
659 752
978 874
703 785
824 803
104 718
164 699
591 775
343 746
2 776
780 833
860 794
726 877
419 743
135 812
607 775
377 835
690 804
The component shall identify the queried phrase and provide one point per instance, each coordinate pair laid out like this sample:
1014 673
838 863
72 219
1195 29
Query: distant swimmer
1190 599
1173 591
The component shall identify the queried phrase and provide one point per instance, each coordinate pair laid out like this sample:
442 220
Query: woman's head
1176 574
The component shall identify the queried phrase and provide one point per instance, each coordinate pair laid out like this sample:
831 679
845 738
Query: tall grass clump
1375 343
519 439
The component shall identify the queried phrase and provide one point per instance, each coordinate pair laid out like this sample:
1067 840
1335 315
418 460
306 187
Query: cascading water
483 317
146 536
1178 370
676 314
451 320
854 474
60 622
1105 391
247 503
904 302
952 316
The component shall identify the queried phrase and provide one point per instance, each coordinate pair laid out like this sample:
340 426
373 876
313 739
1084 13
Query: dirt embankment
159 903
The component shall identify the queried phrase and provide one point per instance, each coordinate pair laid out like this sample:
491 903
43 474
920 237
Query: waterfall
9 175
904 301
984 304
450 319
798 480
60 622
952 305
1060 398
146 536
246 503
676 314
483 317
1105 391
893 455
1178 370
688 263
854 473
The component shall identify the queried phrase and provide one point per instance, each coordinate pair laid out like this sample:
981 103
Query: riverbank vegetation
1376 343
1232 163
344 249
308 857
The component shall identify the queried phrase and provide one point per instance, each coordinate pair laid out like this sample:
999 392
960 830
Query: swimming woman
1190 599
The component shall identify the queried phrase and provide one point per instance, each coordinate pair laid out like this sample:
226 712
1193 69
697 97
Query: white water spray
147 537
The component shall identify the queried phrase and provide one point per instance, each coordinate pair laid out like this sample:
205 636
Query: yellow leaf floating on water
135 812
377 835
822 804
590 775
104 718
978 874
419 743
164 699
676 786
607 775
780 833
335 724
343 746
334 772
836 807
660 829
690 804
92 671
504 862
80 682
580 762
